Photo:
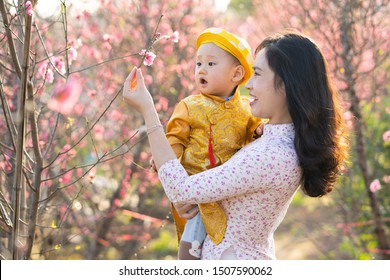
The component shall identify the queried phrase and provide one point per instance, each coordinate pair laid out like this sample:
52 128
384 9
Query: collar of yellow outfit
231 43
232 98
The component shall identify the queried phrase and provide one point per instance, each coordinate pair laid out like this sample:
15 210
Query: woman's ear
238 74
282 89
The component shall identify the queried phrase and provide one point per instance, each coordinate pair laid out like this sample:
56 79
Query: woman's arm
142 101
260 168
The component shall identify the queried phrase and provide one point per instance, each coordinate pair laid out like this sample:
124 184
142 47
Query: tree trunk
107 221
21 124
347 41
380 230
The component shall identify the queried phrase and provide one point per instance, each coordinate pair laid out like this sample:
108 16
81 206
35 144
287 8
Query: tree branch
21 133
10 39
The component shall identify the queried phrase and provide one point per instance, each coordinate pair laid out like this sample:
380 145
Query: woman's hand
186 211
136 94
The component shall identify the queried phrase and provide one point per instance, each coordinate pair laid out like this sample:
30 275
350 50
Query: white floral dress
255 188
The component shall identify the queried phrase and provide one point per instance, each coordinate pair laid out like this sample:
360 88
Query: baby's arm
178 129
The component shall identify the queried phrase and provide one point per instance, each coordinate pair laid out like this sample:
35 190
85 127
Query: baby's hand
259 131
186 211
152 165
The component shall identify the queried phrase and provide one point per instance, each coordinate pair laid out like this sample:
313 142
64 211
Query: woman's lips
252 99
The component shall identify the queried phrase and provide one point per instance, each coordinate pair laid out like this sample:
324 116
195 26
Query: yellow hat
231 43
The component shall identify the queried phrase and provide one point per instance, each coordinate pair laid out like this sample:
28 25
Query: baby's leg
191 242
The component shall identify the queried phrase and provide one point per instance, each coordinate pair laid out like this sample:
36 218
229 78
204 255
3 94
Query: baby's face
214 71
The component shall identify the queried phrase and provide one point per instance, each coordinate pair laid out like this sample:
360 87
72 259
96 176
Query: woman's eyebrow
257 68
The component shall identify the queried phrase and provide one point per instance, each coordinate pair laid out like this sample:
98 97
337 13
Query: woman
303 144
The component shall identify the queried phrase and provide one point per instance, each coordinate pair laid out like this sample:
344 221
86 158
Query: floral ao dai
255 188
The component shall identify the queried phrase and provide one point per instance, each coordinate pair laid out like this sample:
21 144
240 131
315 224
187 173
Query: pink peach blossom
91 176
348 117
59 64
175 36
107 37
72 54
12 11
375 185
92 93
45 73
42 70
144 156
49 78
98 132
29 9
65 97
148 79
188 20
168 50
66 178
149 57
162 104
386 136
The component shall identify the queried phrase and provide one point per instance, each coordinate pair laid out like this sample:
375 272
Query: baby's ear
239 73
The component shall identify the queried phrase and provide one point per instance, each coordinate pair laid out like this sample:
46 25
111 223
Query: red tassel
210 150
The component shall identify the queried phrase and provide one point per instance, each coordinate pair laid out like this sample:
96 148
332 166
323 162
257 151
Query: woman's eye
211 63
198 64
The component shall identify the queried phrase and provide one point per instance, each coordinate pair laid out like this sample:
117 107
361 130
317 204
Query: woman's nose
248 84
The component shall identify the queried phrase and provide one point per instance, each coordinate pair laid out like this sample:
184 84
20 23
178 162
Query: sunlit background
48 8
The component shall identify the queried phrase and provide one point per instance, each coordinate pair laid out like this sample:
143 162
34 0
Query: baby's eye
211 63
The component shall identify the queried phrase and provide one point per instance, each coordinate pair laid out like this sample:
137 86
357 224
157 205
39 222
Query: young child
206 129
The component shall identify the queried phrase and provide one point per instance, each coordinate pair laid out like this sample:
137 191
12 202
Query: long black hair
320 139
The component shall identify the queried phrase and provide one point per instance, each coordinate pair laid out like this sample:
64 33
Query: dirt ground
309 232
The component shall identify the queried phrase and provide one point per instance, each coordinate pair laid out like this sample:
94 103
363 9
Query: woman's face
267 102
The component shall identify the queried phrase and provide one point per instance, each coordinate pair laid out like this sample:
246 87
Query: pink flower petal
386 136
65 97
375 185
175 37
149 58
